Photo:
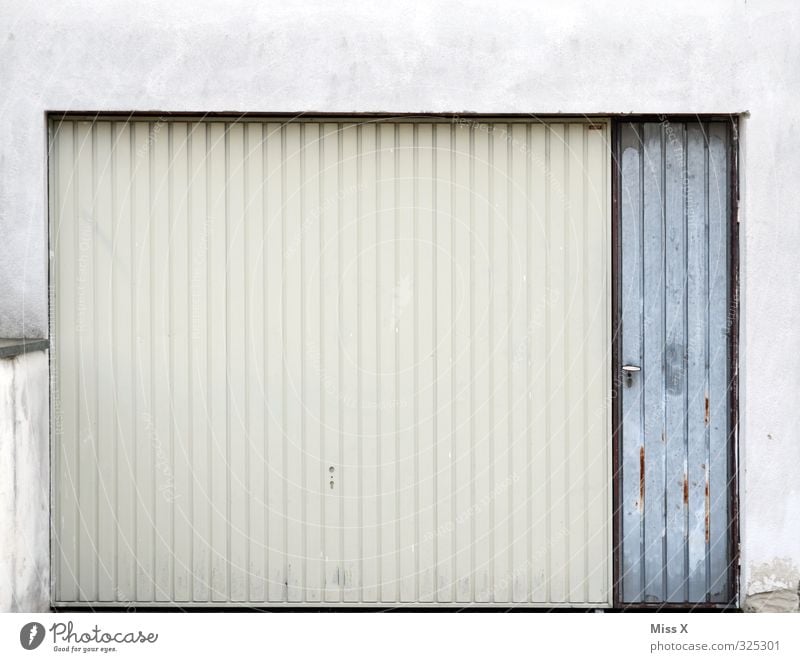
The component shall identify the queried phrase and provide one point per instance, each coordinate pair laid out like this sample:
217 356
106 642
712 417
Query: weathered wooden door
674 377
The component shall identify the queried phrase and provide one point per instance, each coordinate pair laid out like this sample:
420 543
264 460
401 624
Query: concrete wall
24 484
607 56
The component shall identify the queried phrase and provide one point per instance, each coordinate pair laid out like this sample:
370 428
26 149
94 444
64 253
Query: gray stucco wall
608 56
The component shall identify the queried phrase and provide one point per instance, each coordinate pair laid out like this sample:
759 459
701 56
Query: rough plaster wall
773 586
575 57
24 484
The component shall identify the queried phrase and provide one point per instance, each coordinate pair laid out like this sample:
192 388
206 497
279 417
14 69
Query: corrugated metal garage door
330 362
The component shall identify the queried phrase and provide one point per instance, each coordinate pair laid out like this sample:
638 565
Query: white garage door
349 362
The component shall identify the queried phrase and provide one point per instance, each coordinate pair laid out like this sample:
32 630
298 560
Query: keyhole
331 484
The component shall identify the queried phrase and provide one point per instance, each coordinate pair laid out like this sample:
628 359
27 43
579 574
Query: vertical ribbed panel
675 495
323 362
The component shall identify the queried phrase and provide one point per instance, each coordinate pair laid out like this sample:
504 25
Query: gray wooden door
674 378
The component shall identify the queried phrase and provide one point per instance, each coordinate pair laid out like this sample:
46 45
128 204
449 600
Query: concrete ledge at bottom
778 601
24 483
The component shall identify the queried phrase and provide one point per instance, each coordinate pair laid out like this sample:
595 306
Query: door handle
630 371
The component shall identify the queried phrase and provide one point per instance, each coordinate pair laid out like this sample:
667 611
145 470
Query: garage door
348 362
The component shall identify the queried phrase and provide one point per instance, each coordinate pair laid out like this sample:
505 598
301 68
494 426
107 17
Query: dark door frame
733 356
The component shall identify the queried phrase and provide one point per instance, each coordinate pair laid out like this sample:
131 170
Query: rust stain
641 478
708 512
685 489
708 416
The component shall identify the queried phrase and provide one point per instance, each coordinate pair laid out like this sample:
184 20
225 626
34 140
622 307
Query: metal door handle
629 371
